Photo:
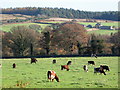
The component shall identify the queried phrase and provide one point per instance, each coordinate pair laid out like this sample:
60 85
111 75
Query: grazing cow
85 68
14 65
94 55
65 67
99 70
91 62
54 61
105 67
52 75
33 60
69 62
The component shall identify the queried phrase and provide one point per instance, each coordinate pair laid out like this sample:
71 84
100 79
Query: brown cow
33 60
65 67
52 75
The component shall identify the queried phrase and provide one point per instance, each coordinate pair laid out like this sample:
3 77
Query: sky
85 5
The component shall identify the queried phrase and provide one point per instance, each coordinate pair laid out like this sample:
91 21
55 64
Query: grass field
7 27
103 32
103 23
35 75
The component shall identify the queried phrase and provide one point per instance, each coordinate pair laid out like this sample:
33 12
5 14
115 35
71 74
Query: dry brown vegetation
79 20
13 16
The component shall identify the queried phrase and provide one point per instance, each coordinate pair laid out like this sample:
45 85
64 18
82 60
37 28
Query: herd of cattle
52 74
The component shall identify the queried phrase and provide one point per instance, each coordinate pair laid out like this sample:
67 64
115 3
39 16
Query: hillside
62 13
14 16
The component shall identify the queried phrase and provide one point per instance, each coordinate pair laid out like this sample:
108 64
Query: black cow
105 67
69 62
91 62
33 60
99 70
14 65
54 61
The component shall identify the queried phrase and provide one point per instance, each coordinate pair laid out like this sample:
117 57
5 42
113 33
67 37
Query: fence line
55 56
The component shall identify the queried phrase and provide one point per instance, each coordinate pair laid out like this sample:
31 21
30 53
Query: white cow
85 67
52 75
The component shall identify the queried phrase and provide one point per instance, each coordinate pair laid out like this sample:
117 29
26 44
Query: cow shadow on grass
44 81
99 84
74 83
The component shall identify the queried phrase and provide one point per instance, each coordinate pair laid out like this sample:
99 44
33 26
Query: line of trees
63 13
67 39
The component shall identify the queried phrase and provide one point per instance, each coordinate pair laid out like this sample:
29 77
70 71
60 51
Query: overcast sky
86 5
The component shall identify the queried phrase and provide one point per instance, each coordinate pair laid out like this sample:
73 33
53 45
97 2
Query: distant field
35 75
102 32
103 23
7 27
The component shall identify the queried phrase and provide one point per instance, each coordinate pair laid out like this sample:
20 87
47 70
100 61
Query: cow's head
57 79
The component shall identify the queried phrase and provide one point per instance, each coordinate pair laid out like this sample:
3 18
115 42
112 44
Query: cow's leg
52 80
104 73
67 69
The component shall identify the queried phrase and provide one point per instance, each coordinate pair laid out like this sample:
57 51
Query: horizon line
63 8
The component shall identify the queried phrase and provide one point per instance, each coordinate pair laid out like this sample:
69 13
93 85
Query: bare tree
115 39
20 40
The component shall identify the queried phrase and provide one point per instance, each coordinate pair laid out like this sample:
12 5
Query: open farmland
14 16
35 75
7 27
103 23
102 32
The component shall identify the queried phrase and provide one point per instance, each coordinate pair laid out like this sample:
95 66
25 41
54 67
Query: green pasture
7 27
103 23
103 32
27 75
